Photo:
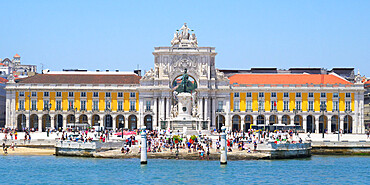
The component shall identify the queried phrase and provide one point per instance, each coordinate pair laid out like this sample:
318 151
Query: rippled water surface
67 170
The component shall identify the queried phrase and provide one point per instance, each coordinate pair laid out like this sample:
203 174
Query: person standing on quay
255 146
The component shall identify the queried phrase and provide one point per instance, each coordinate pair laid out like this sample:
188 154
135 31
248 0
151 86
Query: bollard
223 158
143 159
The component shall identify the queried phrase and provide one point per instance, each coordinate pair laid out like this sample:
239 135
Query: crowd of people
173 141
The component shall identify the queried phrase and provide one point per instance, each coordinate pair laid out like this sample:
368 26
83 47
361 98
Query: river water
69 170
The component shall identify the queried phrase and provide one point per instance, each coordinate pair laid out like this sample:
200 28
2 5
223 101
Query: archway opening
148 121
192 83
120 121
220 121
285 120
248 121
273 120
298 120
58 120
95 120
323 124
34 125
260 120
347 124
132 122
236 123
108 122
310 124
21 122
46 122
83 119
334 123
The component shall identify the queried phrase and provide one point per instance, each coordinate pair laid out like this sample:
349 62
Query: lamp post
122 128
74 121
338 117
48 109
29 107
347 113
323 109
107 118
259 114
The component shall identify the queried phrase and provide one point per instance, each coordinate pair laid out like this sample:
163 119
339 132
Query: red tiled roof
16 56
82 79
1 64
3 80
286 79
367 84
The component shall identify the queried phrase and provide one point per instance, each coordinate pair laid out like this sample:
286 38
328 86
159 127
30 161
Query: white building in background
185 91
14 66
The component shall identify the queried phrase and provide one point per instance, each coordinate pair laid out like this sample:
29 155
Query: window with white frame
83 105
95 105
323 95
83 94
310 106
236 106
120 94
95 94
220 106
249 94
335 95
310 94
261 105
71 104
132 105
286 95
132 94
59 94
298 94
348 105
33 94
107 105
148 105
335 105
58 105
286 105
273 95
236 94
261 94
323 105
298 105
46 94
107 94
46 105
71 94
273 105
21 93
249 105
348 95
33 105
120 106
21 105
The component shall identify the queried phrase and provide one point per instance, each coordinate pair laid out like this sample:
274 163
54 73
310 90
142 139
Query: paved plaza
304 136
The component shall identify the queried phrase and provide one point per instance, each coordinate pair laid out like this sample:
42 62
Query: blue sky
122 34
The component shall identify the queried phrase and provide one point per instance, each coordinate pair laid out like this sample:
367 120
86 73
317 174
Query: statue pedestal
184 106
